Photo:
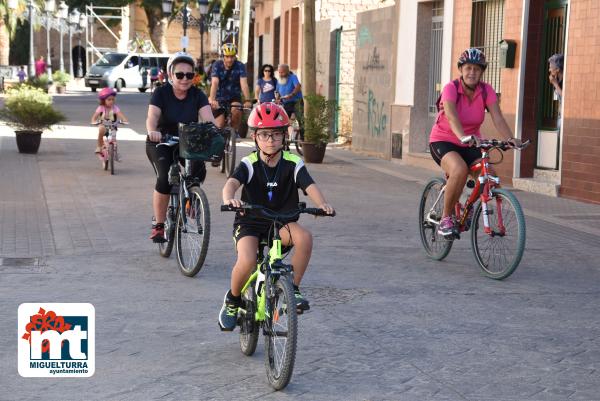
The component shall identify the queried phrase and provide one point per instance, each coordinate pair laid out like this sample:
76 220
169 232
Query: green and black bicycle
268 299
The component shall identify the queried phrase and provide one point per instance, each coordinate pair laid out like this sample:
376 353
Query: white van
124 70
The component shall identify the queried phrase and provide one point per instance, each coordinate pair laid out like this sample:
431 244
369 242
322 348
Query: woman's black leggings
161 159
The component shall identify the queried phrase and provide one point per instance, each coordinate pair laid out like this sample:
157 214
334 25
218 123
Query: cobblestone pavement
386 322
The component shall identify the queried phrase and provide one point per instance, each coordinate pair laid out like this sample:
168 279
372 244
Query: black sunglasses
267 70
188 75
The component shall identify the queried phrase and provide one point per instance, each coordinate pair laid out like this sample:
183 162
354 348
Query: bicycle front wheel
111 158
298 138
430 214
249 328
230 164
498 248
165 248
193 232
281 334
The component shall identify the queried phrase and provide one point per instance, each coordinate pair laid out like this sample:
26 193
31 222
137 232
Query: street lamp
203 8
63 13
167 7
13 4
49 8
73 21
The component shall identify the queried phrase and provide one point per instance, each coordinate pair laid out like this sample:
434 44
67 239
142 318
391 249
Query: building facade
518 37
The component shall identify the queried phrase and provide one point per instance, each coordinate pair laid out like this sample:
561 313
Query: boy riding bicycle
270 178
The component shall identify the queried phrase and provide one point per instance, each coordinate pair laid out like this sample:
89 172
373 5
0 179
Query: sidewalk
564 212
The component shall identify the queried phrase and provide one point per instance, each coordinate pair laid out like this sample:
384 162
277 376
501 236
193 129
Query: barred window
435 55
487 25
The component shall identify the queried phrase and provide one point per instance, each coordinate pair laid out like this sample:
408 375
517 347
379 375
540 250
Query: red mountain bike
493 214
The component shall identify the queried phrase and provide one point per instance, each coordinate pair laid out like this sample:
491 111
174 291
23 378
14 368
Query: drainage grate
20 262
580 217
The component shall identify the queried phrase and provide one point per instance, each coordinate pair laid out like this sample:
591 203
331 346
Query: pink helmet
268 115
106 92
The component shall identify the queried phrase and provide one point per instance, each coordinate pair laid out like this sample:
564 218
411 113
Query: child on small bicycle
107 110
270 177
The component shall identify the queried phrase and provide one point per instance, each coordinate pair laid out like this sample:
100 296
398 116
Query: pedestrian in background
555 76
40 66
265 84
21 74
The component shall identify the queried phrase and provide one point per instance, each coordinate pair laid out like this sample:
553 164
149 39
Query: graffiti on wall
373 61
376 117
361 85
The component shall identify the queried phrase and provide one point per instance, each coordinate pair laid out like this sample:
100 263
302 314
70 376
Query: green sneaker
229 314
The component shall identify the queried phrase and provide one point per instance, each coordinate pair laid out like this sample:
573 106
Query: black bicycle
268 297
227 164
187 224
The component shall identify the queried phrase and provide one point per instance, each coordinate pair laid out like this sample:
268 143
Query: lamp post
63 13
73 21
13 5
49 8
82 26
203 7
167 7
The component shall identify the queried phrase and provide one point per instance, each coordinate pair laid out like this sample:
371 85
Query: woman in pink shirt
463 104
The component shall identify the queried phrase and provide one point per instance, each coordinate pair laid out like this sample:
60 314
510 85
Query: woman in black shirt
178 101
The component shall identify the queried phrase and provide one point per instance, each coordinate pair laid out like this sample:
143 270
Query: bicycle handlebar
495 143
110 122
272 215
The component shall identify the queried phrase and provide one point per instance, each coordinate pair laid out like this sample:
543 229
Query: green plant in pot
61 79
29 111
318 115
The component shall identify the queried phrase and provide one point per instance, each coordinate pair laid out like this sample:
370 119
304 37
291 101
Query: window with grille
435 57
487 25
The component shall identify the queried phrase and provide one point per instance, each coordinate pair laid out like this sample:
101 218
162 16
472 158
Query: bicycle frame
258 277
484 186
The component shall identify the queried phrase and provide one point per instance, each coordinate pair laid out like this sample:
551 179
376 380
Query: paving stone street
386 322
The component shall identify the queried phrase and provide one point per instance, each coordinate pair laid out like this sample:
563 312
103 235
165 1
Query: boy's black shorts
261 230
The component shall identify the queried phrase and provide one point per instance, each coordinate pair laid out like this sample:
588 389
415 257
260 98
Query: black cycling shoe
302 303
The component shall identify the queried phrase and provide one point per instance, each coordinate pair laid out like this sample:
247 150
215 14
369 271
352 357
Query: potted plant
61 79
29 111
318 115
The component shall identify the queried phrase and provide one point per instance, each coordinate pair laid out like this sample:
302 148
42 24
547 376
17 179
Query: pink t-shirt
108 114
470 114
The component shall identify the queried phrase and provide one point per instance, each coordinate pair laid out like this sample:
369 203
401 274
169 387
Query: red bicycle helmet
268 115
472 56
106 92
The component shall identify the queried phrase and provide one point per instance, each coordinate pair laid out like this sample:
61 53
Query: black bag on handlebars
200 141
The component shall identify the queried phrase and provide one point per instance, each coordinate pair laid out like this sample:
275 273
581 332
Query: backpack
456 83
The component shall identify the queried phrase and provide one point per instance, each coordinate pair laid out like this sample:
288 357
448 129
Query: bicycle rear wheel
499 251
111 158
249 328
435 245
193 232
165 248
281 333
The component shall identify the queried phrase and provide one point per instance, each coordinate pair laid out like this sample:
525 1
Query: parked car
124 70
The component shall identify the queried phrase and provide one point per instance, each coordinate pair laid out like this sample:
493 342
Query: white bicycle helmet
180 57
